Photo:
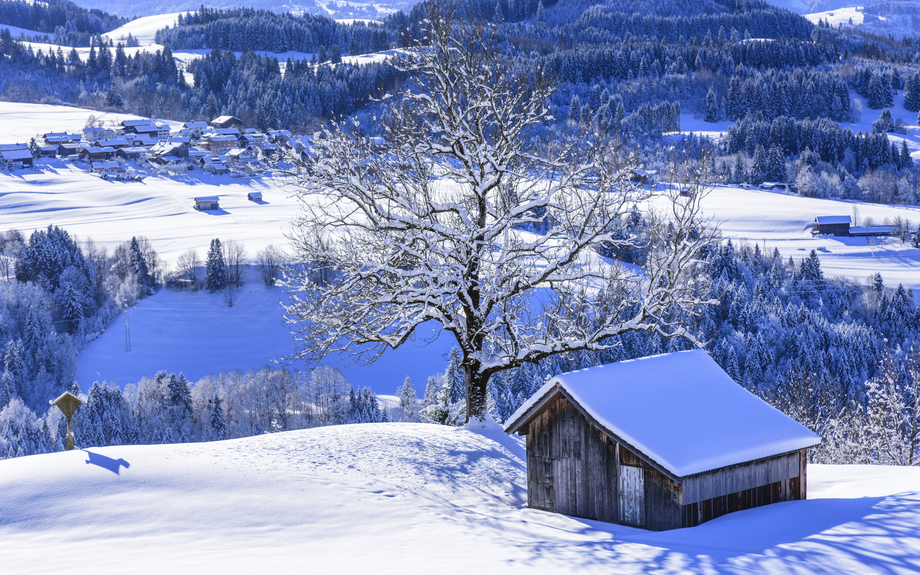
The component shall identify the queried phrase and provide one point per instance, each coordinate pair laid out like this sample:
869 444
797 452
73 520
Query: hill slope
407 498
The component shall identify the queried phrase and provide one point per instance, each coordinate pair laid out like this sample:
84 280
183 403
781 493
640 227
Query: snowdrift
407 498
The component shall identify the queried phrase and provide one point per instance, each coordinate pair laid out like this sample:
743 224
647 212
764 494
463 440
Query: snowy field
851 15
199 334
408 498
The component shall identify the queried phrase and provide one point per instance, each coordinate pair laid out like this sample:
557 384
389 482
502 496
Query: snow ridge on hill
408 498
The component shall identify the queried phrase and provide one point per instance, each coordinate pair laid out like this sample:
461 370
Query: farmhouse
207 203
832 225
227 122
660 442
106 169
97 133
97 153
217 144
17 154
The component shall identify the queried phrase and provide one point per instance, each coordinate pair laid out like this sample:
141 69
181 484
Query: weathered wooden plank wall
739 478
571 465
662 501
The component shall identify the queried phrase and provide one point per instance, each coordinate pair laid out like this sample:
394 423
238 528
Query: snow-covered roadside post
68 404
456 216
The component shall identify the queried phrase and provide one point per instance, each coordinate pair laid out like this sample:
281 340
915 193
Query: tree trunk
476 391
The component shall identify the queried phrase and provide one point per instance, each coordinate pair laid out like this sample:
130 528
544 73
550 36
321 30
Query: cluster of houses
218 146
843 226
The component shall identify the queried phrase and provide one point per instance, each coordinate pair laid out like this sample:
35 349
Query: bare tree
270 261
235 260
431 224
188 266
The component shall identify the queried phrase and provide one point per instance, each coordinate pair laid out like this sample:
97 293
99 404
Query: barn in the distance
660 442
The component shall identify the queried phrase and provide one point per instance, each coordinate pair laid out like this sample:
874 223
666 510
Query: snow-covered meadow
408 498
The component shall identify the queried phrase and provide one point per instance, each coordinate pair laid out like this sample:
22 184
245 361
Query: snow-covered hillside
408 498
199 334
332 8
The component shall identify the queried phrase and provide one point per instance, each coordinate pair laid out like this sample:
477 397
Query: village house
240 156
280 137
219 144
150 131
106 169
225 132
128 126
179 150
58 138
214 165
69 150
193 129
660 443
253 139
18 155
131 153
97 133
227 122
254 196
96 153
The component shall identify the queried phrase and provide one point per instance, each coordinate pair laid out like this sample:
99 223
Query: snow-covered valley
408 498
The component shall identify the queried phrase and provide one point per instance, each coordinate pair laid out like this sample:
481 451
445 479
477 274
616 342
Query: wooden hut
660 442
207 203
832 225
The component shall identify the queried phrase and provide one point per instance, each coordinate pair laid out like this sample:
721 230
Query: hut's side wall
710 495
571 465
740 477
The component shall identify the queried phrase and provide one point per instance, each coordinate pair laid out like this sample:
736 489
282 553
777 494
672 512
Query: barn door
632 496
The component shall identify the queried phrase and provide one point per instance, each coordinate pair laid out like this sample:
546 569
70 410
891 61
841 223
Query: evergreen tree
216 270
916 241
712 107
217 420
456 381
408 401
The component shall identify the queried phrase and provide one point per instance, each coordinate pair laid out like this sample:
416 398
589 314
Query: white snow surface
838 16
408 498
681 410
200 334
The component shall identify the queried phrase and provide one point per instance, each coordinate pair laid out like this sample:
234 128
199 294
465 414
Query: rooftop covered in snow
680 410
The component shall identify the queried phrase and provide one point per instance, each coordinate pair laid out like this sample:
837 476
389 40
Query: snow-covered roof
10 147
192 125
15 155
207 199
870 230
680 410
824 220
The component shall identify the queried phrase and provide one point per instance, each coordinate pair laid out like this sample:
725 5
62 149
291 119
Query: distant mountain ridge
335 9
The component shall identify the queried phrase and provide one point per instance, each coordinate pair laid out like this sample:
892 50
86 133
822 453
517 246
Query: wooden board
632 496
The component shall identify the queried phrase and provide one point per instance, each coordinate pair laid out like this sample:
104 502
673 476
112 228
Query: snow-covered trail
408 498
